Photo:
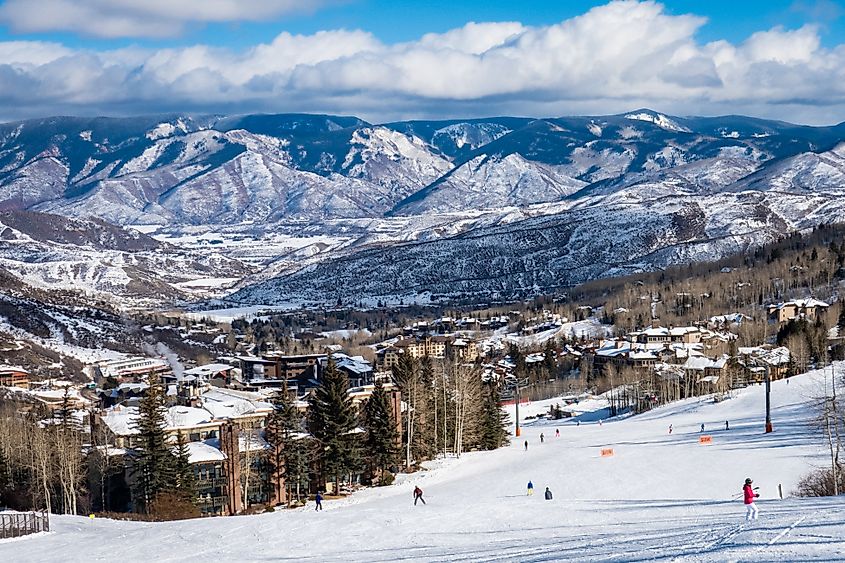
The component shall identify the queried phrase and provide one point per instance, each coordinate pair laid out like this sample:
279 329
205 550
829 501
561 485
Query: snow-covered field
659 497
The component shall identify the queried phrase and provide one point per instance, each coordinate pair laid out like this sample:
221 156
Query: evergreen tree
380 443
493 419
186 482
289 457
841 322
550 358
332 420
154 462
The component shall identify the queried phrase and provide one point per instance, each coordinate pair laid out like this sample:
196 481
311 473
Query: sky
386 60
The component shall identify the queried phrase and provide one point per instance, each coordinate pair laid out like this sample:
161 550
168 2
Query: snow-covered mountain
104 261
499 206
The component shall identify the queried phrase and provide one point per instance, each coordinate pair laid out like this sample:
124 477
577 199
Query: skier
599 422
548 494
727 426
526 445
542 437
748 498
577 423
557 432
670 429
702 427
319 499
418 495
530 488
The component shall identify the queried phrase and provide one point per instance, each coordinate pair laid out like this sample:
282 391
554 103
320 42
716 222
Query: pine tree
841 322
154 462
186 482
380 443
332 421
549 358
494 420
289 457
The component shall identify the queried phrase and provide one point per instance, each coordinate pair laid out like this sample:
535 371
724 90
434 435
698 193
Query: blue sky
405 20
402 59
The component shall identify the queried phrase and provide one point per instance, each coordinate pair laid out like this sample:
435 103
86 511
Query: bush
819 483
386 479
173 506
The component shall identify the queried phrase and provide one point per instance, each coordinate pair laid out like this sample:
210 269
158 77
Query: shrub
819 483
386 479
173 506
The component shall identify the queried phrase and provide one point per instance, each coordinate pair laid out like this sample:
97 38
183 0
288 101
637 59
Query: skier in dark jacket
530 488
319 499
418 495
548 494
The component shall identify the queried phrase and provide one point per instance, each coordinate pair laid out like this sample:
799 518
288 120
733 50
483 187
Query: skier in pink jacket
749 495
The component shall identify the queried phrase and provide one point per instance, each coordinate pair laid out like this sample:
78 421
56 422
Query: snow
659 497
202 452
658 119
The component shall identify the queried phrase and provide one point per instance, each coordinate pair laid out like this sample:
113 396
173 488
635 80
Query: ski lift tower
515 385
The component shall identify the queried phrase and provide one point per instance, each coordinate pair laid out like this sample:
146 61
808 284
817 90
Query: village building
809 309
14 377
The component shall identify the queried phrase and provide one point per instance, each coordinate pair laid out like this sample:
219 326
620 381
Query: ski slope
659 497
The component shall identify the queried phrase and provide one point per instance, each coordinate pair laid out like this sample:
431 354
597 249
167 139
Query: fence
16 524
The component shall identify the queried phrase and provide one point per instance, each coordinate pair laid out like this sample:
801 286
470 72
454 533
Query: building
224 433
809 309
131 368
432 346
14 377
463 350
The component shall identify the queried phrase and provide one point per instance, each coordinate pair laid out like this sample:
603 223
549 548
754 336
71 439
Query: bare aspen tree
249 441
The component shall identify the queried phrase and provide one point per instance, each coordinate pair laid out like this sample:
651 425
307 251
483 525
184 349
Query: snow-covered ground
659 497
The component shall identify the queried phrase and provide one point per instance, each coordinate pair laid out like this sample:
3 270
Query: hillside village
235 395
218 411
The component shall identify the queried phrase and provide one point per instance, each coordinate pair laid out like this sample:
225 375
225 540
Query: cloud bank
611 59
147 18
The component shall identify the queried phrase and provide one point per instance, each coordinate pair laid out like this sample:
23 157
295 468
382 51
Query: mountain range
461 209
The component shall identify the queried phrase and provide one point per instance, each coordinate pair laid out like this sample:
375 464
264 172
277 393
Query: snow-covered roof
228 403
207 370
801 303
182 417
700 363
121 420
203 452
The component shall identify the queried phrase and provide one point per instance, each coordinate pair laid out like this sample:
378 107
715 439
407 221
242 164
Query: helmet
748 481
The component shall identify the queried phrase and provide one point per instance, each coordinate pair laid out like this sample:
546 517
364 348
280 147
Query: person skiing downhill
702 427
670 429
557 432
727 425
530 488
548 494
749 495
542 437
319 499
526 445
418 495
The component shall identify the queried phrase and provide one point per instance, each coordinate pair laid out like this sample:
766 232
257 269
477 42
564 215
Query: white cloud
611 59
134 18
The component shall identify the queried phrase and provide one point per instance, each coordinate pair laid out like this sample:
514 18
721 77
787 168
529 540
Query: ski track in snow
659 498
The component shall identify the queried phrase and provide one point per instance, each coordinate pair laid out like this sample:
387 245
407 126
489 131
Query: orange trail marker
607 452
704 440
